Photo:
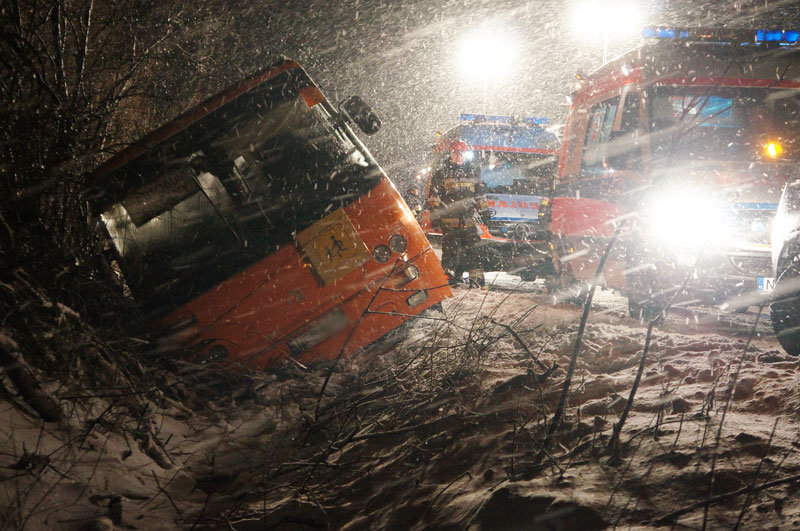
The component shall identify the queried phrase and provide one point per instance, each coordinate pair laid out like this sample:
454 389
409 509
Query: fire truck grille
754 226
752 265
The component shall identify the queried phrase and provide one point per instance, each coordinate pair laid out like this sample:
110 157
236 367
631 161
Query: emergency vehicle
687 142
486 183
785 307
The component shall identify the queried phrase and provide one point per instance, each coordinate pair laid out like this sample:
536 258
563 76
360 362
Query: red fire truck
487 180
256 226
686 142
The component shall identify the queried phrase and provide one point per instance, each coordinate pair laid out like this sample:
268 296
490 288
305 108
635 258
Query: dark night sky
403 56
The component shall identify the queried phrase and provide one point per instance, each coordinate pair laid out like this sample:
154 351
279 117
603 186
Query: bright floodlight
486 56
608 19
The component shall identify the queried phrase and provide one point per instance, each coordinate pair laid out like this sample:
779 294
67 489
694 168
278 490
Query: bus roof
194 114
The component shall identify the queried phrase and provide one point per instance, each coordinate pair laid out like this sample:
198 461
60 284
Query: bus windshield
726 124
229 189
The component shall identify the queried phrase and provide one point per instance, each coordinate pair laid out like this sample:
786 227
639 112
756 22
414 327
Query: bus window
185 230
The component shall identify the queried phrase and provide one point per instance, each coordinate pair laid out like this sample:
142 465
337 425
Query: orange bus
256 227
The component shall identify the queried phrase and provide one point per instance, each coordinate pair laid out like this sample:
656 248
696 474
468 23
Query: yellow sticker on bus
333 246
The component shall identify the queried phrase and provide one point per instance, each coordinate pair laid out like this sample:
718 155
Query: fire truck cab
681 147
484 189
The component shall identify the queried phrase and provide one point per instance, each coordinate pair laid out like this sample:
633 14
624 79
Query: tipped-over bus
256 227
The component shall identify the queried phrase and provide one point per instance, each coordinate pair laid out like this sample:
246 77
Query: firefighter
458 217
413 200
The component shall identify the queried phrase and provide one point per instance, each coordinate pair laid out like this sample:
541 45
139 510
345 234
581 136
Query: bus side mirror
356 110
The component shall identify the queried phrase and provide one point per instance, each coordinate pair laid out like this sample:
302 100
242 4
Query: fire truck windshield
726 124
500 172
230 189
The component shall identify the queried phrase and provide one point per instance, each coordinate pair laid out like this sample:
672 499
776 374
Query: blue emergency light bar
664 33
779 36
536 120
723 35
497 118
657 32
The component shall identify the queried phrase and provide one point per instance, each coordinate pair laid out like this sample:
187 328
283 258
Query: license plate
766 284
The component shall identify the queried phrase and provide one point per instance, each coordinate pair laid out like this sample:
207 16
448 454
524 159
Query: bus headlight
397 243
381 254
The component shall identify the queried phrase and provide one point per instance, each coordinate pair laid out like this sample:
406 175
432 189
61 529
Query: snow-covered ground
457 441
442 425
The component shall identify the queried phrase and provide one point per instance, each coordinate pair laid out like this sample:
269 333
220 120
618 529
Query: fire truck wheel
785 309
574 292
564 287
579 292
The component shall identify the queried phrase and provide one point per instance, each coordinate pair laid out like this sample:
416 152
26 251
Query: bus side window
607 188
601 120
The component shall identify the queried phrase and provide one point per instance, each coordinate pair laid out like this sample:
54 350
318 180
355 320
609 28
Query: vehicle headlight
397 243
773 149
381 254
690 218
